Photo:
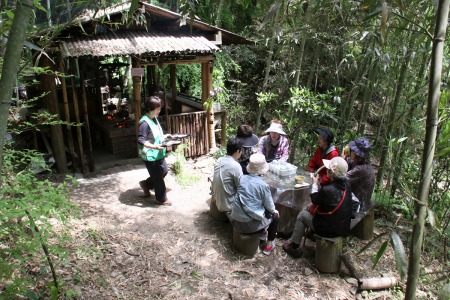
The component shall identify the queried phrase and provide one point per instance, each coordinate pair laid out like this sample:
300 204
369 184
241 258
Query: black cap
326 134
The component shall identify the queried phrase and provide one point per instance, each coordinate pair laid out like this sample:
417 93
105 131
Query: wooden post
176 106
77 116
206 88
86 123
223 126
364 229
137 100
51 99
67 113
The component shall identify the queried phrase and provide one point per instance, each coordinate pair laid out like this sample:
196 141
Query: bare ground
127 247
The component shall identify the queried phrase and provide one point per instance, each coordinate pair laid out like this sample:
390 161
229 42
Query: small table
289 201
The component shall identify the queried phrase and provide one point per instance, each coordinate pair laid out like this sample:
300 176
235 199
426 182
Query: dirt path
147 251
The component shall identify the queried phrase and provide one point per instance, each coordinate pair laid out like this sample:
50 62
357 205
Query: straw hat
257 164
337 165
275 127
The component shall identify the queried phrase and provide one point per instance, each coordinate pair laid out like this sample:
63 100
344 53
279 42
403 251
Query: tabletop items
282 169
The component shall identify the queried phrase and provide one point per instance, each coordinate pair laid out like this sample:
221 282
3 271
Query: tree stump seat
215 213
246 243
329 249
327 253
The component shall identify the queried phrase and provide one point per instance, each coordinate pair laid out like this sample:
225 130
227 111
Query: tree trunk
312 70
392 121
219 13
429 148
11 59
301 51
412 109
267 71
367 99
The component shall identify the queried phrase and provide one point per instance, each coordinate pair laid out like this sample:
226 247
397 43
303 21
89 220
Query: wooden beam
196 60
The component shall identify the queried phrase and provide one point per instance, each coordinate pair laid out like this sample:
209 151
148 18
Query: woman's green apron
152 154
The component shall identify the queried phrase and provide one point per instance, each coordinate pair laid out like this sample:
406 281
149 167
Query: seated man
226 176
253 209
361 175
326 150
333 213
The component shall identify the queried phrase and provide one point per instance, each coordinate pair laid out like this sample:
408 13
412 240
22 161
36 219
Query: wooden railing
193 123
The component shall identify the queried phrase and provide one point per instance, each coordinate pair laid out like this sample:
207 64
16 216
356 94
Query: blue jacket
252 200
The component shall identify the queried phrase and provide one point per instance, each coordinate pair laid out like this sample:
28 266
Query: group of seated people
239 190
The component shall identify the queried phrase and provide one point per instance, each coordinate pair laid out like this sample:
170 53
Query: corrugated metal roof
136 42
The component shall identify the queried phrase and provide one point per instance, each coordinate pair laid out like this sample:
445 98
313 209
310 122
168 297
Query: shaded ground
127 247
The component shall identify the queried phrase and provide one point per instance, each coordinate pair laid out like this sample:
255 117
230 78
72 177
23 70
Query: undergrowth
183 175
30 210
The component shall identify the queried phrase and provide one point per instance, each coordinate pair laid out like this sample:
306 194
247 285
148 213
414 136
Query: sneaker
145 188
166 203
269 247
296 253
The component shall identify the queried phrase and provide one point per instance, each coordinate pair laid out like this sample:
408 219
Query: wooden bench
329 249
362 225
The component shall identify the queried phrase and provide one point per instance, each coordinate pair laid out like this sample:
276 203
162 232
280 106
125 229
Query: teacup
299 179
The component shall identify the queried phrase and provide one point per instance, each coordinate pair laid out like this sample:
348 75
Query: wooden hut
101 52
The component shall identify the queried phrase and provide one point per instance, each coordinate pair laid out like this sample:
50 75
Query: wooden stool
246 243
327 254
215 213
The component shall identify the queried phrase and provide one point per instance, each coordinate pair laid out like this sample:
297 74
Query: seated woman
274 145
333 212
326 150
253 208
250 141
361 175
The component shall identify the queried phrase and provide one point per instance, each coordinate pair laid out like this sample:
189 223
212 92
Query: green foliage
30 209
183 175
220 152
390 237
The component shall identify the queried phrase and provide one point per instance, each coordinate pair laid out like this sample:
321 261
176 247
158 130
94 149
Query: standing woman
274 145
152 153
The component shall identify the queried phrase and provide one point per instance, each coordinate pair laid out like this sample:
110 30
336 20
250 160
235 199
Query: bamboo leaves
396 243
400 254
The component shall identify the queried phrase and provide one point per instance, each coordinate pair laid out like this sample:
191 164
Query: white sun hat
337 165
258 164
275 127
